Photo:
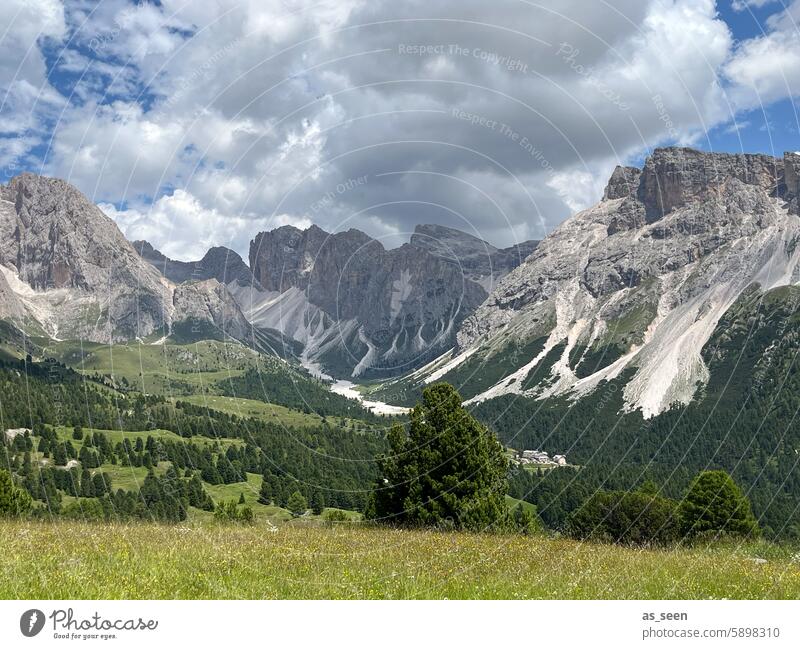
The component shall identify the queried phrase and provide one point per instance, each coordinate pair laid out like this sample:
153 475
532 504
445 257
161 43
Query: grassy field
86 561
159 369
251 408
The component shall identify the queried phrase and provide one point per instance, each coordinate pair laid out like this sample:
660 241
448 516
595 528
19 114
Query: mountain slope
743 420
633 285
69 273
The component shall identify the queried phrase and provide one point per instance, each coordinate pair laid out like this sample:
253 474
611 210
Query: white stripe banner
386 625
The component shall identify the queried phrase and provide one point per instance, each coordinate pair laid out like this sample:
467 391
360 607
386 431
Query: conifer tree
448 470
715 504
13 500
297 504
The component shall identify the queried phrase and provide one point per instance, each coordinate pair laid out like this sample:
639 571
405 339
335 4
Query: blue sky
199 124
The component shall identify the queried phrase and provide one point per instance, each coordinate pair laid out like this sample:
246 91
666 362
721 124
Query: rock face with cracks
68 271
362 310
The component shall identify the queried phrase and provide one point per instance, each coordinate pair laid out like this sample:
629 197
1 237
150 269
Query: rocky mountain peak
288 257
675 176
226 266
89 280
54 237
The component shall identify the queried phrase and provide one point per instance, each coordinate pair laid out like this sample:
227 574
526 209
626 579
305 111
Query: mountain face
70 267
480 261
205 306
634 286
220 263
362 310
68 272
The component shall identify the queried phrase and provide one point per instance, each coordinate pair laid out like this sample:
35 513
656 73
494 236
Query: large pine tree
447 471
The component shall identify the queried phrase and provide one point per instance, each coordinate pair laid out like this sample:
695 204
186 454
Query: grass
143 561
259 409
116 436
159 369
250 489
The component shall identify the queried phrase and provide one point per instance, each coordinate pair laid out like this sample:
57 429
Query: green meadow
308 560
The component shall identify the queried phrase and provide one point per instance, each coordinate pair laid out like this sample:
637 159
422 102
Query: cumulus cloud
210 121
766 68
167 220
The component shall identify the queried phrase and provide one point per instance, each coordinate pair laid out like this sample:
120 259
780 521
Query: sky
195 124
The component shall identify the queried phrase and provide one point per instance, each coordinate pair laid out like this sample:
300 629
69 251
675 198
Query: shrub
230 512
13 500
297 504
715 506
631 518
525 520
335 517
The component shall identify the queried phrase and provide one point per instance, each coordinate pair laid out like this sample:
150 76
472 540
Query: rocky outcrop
199 304
674 177
791 166
623 182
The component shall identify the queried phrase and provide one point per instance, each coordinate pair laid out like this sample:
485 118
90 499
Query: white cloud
182 228
766 68
742 5
26 98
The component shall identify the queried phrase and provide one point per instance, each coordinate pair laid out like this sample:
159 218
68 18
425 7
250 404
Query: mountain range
340 303
635 286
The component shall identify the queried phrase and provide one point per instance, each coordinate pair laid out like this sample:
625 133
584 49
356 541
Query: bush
631 518
297 504
13 500
715 506
335 517
230 512
525 519
84 509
